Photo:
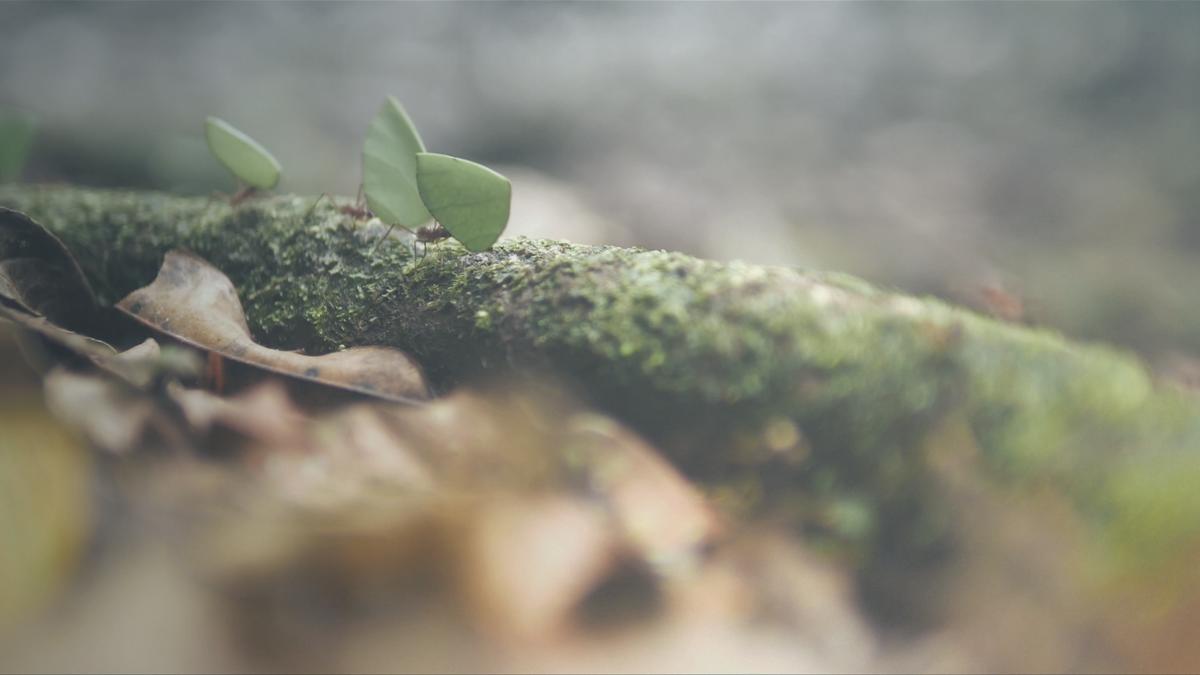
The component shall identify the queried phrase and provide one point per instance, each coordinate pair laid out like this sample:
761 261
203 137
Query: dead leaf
143 364
193 302
110 413
44 292
502 529
526 563
39 275
664 516
263 413
33 326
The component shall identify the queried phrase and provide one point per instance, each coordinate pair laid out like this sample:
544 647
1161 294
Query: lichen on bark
798 392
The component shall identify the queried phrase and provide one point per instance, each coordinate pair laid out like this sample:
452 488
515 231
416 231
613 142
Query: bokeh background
1050 152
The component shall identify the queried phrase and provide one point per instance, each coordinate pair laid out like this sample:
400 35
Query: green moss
705 358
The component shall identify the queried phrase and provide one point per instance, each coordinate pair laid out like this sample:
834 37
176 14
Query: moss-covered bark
803 391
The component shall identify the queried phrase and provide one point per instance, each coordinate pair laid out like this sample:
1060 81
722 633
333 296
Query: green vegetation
242 155
406 187
390 168
471 201
16 138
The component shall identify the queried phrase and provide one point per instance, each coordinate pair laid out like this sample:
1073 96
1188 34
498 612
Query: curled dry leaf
94 350
39 275
43 290
193 302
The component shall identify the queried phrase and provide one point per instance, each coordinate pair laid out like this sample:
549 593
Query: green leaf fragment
470 200
242 155
390 168
16 137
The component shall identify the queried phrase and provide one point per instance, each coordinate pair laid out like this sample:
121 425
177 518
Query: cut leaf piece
242 155
390 168
196 304
16 137
468 199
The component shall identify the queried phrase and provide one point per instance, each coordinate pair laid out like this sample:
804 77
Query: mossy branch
798 382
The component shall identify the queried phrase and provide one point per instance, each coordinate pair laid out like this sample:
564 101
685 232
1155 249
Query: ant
428 234
425 235
244 193
358 210
1002 303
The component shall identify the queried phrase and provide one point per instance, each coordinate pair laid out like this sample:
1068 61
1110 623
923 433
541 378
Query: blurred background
1047 153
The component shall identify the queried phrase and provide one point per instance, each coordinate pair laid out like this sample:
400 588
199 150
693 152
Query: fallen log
806 393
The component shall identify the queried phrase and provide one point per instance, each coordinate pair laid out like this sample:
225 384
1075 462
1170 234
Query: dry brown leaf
193 302
43 291
116 407
665 518
545 521
44 331
109 413
144 364
527 562
498 530
516 438
39 275
263 413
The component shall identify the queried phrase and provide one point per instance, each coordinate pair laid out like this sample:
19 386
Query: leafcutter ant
424 235
358 210
428 234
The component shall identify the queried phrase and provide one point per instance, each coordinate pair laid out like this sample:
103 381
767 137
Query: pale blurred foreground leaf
44 486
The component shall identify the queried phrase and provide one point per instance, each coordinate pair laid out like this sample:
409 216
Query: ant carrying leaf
407 187
390 168
245 158
358 210
470 201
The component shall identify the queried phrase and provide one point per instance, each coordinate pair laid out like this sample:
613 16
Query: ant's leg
380 240
314 205
246 192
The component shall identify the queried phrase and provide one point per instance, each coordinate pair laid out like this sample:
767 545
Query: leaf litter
508 520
